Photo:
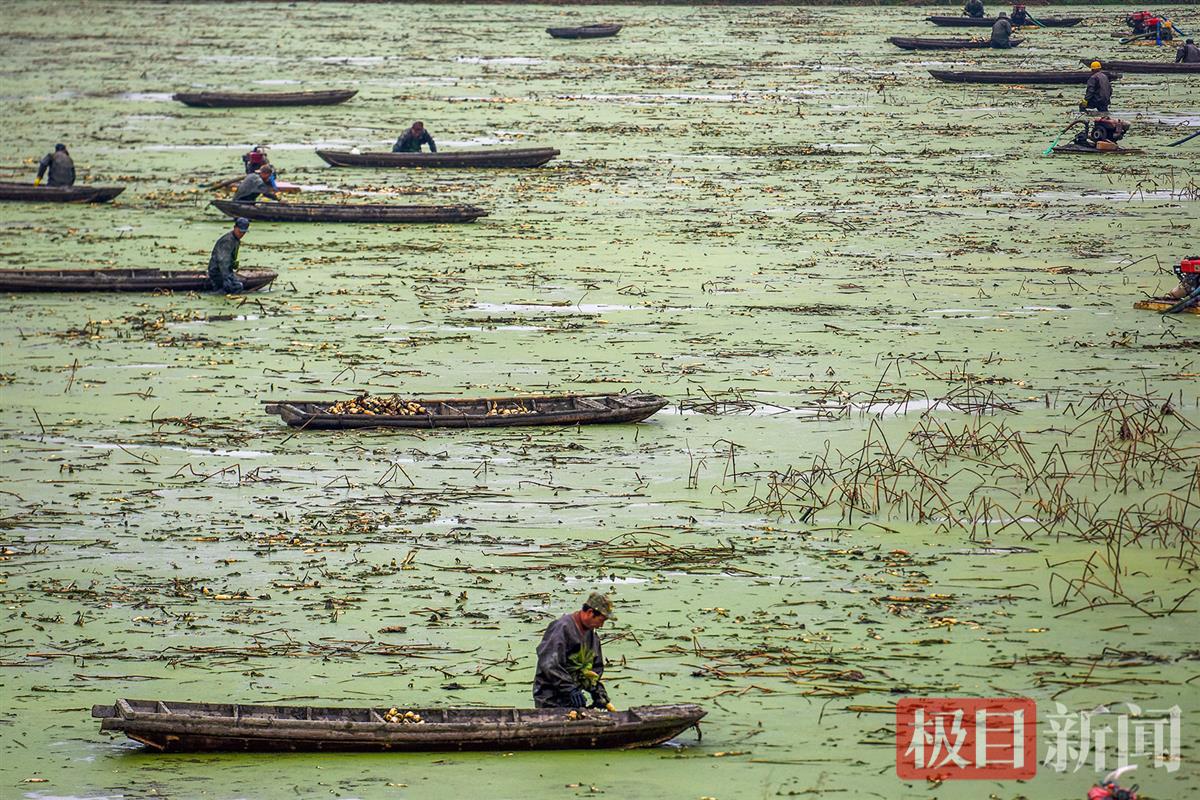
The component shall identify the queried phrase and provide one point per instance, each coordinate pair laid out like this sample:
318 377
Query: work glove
600 696
1083 105
576 699
37 181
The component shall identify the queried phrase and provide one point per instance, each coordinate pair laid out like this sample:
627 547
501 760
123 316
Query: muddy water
766 215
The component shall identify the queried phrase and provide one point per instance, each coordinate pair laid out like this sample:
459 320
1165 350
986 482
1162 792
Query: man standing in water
1002 31
223 263
60 165
411 140
569 659
1098 93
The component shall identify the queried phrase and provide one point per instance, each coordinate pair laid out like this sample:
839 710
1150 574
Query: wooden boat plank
1016 76
1162 305
917 43
487 158
585 31
987 22
1066 149
79 193
259 99
121 280
329 212
1146 67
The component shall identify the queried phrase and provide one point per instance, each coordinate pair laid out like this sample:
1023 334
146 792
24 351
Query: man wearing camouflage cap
570 661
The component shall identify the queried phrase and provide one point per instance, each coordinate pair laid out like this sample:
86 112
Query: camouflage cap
600 604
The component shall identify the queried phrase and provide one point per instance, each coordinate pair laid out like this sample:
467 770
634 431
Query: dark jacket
251 187
410 143
1001 32
553 682
222 264
974 8
1099 89
1188 54
61 167
1020 16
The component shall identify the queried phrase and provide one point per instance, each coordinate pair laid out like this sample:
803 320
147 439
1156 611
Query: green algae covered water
919 442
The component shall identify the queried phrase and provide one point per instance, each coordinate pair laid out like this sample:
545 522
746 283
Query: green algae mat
919 443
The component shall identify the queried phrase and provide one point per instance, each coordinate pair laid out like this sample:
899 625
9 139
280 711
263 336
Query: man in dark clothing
1188 54
569 659
222 264
1098 93
256 159
412 139
1020 17
1002 31
60 166
255 184
974 8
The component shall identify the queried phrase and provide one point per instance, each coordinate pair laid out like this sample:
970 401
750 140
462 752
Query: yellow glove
609 707
37 181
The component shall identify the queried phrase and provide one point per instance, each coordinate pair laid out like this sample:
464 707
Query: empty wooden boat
1043 78
392 412
79 193
487 158
121 280
329 212
987 22
1146 67
584 31
1162 305
177 727
1076 148
911 43
253 99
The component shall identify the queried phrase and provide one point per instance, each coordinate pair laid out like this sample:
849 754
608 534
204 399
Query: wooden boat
585 31
1162 305
1016 77
1146 67
909 43
328 212
79 193
121 280
1074 148
168 726
479 412
487 158
252 99
987 22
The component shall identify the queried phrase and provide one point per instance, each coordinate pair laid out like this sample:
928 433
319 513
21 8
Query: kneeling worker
223 263
254 184
1188 53
411 140
1002 31
569 659
973 9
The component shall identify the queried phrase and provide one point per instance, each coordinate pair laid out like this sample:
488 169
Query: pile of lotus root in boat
405 718
496 411
381 405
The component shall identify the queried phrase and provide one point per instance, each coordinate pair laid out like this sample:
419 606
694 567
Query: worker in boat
223 263
1020 17
974 9
1002 31
255 184
569 658
1098 92
255 159
1188 53
411 140
59 165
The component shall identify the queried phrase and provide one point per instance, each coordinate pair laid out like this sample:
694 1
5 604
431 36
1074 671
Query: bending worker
1002 31
223 263
254 184
411 140
1020 16
974 9
60 166
1188 53
569 659
1098 93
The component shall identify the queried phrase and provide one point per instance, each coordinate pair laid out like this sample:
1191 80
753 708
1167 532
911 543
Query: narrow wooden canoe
1074 148
909 43
1162 305
488 158
252 99
312 212
1147 67
480 412
1016 77
987 22
121 280
79 193
168 726
584 32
